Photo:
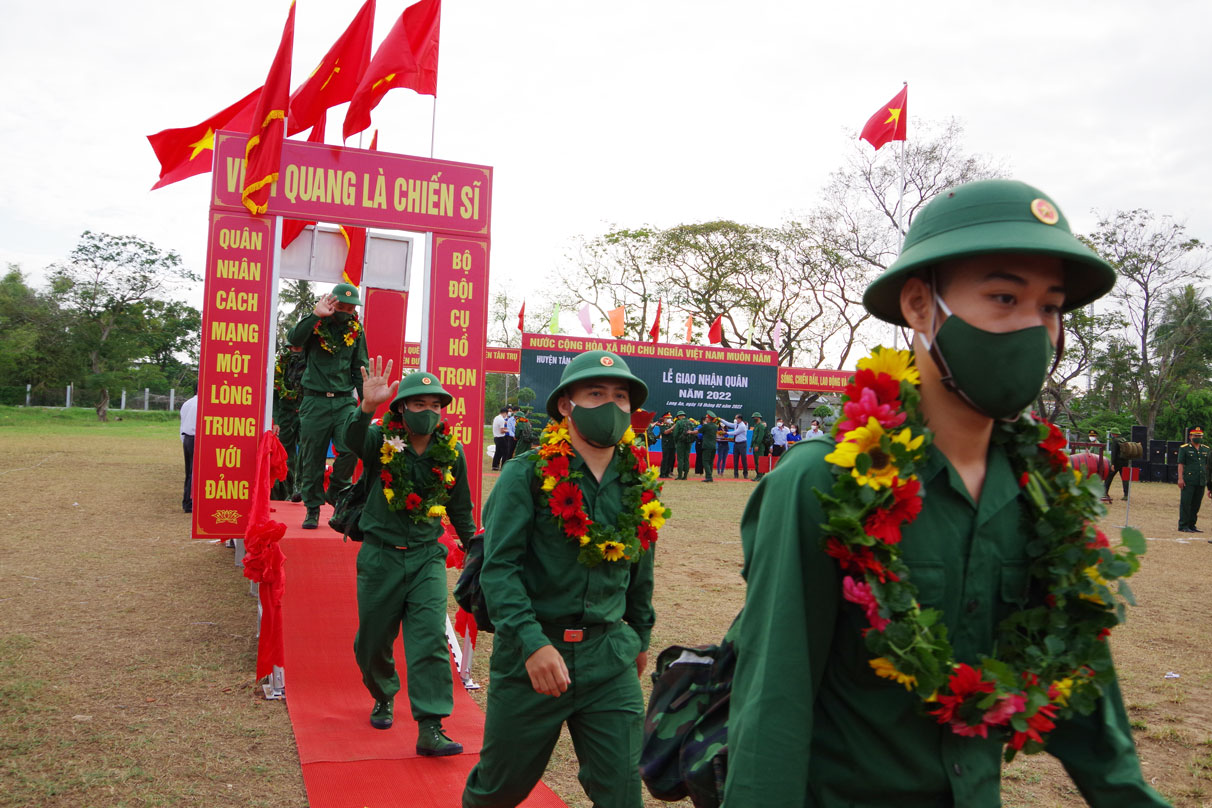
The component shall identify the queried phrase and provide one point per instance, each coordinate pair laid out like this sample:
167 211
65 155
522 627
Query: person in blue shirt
740 446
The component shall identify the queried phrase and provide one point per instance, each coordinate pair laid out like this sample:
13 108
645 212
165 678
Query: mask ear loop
945 375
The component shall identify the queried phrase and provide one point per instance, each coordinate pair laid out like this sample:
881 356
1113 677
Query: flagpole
900 210
433 124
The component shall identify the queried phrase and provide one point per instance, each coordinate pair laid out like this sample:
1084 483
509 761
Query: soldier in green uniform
288 393
668 450
523 432
709 429
985 273
570 637
760 430
682 438
1192 480
420 475
335 345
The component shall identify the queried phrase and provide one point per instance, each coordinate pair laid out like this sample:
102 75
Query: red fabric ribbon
263 557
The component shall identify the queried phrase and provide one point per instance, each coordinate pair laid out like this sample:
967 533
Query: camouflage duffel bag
685 751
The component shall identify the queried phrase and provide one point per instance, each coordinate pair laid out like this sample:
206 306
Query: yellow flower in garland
388 493
897 364
1093 574
350 336
386 453
437 510
654 513
1064 689
628 436
612 550
884 669
452 440
549 483
448 479
866 440
584 540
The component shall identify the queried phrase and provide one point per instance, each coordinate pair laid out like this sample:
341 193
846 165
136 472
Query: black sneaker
432 741
380 716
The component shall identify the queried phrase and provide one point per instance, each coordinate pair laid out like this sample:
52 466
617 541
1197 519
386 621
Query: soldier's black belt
562 633
324 393
416 545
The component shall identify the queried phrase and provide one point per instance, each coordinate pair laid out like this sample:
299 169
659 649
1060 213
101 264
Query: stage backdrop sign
693 378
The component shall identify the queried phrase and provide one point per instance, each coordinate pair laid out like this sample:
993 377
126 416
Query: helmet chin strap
946 378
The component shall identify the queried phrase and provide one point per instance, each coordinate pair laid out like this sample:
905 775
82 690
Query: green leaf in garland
1134 540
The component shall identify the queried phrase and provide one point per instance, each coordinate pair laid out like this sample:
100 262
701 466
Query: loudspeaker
1140 434
1157 473
1172 447
1172 473
1157 452
1145 470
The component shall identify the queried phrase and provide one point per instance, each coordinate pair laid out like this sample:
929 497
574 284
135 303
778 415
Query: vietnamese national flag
521 317
408 57
188 151
890 123
355 241
715 334
291 228
263 152
336 77
655 332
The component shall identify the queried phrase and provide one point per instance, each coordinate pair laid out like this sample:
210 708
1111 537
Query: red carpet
346 763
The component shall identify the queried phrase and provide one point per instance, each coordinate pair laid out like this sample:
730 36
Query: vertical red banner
386 311
458 334
236 331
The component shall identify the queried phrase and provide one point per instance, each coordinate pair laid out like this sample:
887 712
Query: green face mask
422 422
997 374
343 316
602 425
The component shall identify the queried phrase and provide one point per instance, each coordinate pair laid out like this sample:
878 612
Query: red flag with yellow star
408 57
355 241
263 152
291 228
336 77
890 123
188 151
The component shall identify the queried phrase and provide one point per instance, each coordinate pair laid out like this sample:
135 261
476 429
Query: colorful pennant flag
521 317
583 315
690 329
654 333
553 325
408 57
777 337
890 123
263 153
291 228
715 334
616 322
336 77
188 151
749 338
355 241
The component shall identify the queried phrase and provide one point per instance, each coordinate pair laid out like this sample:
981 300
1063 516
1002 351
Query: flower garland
642 515
332 339
427 500
288 373
1049 660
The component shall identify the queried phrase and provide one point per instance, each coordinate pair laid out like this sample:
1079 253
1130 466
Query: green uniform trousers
604 709
404 589
683 452
707 457
1192 496
286 415
320 420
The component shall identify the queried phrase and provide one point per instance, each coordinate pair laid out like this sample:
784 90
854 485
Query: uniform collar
577 463
1000 486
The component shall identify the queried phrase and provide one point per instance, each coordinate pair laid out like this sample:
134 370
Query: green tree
296 299
107 280
35 343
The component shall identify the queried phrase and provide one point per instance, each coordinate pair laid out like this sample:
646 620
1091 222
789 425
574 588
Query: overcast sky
592 114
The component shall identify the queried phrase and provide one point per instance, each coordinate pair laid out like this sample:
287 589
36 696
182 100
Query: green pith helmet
346 293
990 216
710 414
681 414
756 415
597 365
421 384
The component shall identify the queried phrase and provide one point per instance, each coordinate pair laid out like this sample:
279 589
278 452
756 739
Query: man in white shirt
740 446
189 421
779 432
500 439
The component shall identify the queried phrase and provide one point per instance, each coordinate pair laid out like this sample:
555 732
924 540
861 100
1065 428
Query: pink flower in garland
1006 708
868 405
860 592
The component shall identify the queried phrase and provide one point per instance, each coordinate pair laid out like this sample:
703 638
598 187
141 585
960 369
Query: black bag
767 440
467 591
685 749
347 511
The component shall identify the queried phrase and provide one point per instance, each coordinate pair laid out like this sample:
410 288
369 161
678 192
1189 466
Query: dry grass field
127 650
